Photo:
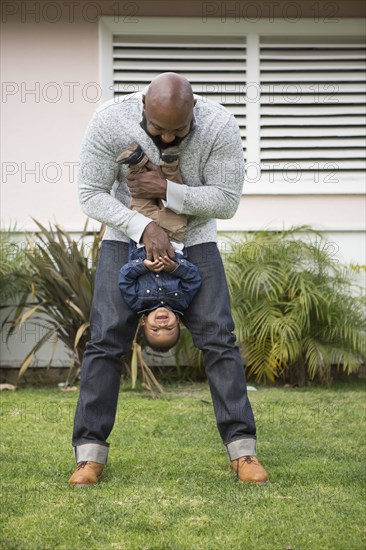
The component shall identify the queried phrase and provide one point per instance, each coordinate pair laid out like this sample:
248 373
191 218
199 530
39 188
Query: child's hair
160 348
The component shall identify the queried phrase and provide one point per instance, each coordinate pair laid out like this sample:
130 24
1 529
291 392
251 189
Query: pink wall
322 212
41 131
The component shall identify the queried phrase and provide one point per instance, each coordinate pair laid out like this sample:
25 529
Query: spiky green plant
57 290
14 265
293 304
57 296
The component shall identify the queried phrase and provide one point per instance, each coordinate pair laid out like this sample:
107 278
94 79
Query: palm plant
294 305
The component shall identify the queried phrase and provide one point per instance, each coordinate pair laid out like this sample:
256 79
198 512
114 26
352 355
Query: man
212 167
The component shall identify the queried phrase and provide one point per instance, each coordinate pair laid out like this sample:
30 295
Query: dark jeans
113 327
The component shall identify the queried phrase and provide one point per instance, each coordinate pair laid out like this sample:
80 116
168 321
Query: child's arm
128 281
188 275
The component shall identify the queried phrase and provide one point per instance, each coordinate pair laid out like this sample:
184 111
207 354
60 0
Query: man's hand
156 242
155 266
168 264
150 184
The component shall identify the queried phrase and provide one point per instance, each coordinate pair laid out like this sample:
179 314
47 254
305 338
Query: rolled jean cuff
241 447
91 451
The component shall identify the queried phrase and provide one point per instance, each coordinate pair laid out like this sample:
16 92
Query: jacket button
157 275
148 291
175 293
160 288
162 302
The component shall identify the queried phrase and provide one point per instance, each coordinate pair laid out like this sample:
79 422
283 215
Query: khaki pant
175 225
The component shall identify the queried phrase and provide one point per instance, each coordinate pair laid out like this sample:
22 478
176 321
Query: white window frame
196 27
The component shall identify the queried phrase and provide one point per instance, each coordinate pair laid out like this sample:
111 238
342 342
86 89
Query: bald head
168 108
171 90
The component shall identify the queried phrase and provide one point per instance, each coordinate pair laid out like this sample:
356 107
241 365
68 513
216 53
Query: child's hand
156 265
169 265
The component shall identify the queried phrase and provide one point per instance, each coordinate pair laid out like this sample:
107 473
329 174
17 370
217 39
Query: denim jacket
143 290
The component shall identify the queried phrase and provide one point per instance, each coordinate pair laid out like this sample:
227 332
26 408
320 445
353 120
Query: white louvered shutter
215 66
312 113
312 96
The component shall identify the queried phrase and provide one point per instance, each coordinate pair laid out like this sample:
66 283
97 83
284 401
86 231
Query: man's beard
157 139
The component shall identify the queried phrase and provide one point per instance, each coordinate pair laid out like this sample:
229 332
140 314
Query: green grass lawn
169 484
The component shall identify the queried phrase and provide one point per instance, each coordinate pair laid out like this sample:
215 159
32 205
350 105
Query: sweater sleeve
97 173
220 192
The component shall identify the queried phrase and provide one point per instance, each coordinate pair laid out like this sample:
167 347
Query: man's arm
97 173
220 192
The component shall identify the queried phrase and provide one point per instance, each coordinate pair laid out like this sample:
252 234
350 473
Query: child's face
161 327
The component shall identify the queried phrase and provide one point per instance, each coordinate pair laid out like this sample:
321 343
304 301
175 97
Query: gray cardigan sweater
211 164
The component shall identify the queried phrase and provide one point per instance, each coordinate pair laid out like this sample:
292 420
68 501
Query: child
159 290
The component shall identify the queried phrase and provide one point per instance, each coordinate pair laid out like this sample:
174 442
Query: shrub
57 295
294 305
57 291
14 265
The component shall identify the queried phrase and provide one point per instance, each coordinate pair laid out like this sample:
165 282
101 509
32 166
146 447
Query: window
312 108
299 100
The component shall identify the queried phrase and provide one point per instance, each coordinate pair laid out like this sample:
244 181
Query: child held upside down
160 290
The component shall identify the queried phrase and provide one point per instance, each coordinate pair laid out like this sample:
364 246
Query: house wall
51 87
49 74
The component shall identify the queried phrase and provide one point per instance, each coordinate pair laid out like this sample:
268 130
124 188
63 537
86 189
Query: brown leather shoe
86 474
248 469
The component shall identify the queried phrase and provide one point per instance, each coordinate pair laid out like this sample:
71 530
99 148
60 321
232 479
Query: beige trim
195 26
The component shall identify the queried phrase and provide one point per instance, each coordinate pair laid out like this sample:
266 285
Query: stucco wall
49 74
